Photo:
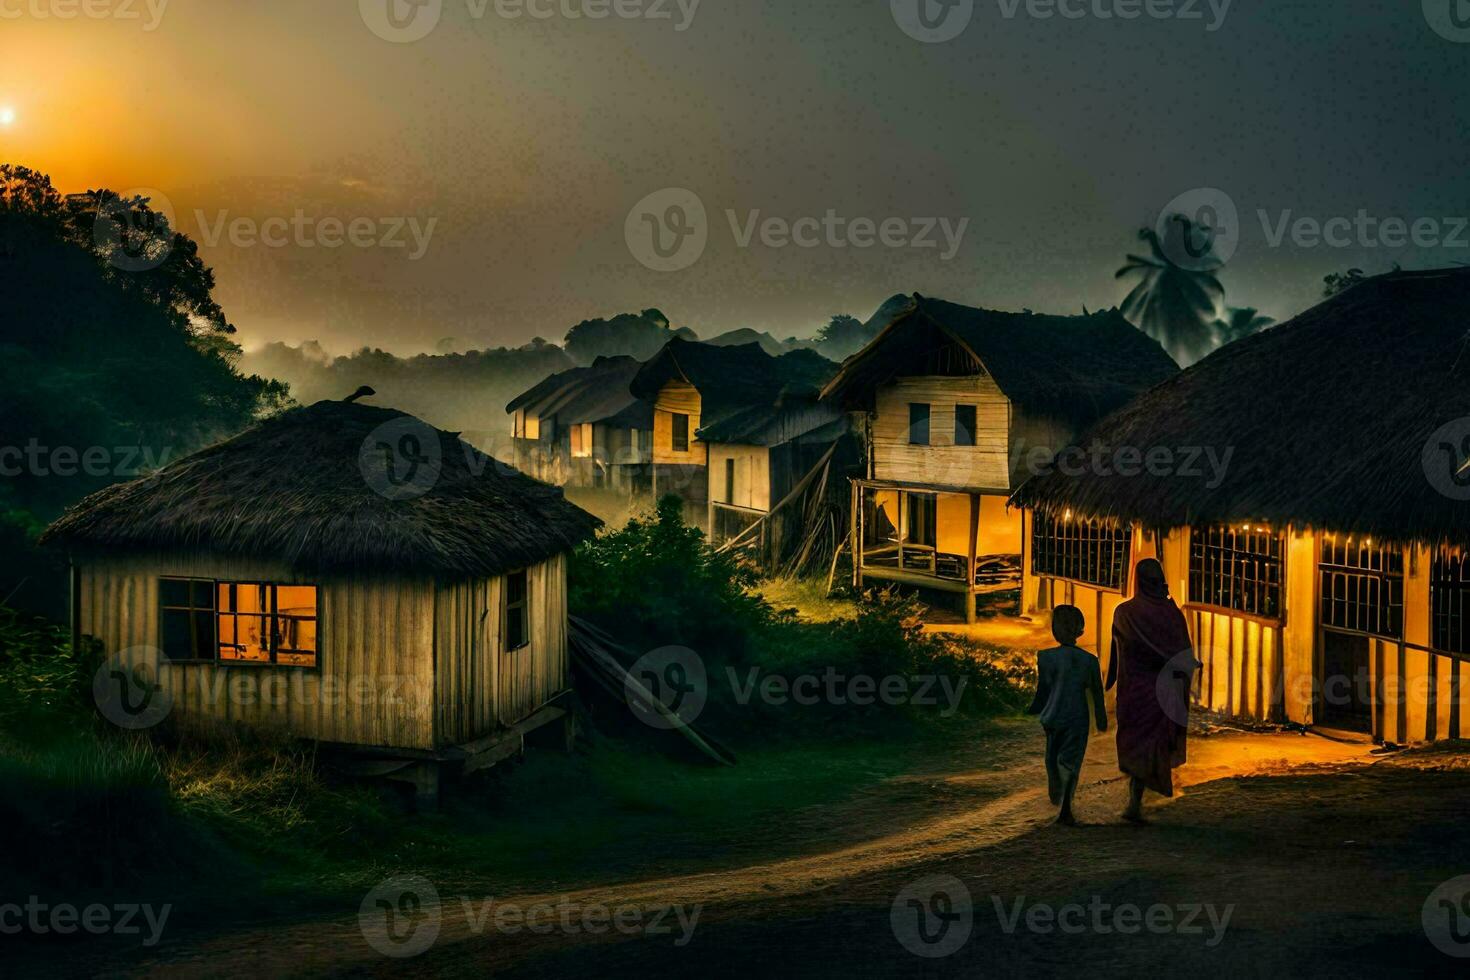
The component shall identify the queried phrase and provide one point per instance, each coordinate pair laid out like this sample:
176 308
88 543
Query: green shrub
656 583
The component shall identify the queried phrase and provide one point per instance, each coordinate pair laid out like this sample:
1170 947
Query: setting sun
7 116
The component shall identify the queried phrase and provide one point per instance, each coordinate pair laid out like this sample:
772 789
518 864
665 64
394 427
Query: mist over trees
465 392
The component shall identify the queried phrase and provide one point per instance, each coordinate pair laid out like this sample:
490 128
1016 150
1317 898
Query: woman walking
1152 664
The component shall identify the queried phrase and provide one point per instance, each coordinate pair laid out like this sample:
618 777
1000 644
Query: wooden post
859 497
970 595
903 525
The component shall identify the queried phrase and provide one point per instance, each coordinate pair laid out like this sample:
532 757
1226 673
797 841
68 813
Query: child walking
1067 678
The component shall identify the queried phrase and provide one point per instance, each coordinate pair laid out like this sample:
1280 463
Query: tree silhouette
1175 304
1238 323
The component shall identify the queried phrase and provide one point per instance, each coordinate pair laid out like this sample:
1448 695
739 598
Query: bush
656 583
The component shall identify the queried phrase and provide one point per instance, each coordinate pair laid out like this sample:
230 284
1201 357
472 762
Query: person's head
1067 624
1149 575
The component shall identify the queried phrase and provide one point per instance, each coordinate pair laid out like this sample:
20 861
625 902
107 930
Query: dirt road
772 899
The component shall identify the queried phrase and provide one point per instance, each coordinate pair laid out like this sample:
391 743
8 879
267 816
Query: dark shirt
1066 677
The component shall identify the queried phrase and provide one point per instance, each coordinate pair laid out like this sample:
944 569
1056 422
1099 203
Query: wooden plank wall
683 398
752 476
482 686
534 674
374 685
985 465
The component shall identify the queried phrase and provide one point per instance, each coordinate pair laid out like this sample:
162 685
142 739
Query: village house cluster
1320 562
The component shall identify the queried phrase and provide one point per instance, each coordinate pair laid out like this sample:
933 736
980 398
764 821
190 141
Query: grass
807 597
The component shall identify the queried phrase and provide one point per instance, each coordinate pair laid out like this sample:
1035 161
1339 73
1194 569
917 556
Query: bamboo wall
378 643
1272 671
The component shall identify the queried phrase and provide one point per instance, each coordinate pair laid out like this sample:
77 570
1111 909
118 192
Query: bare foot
1066 820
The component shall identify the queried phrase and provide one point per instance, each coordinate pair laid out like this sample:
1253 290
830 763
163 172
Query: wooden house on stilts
959 406
1323 567
341 573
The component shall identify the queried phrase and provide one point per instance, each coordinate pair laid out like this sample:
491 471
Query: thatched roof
311 488
1073 368
598 393
1329 418
744 391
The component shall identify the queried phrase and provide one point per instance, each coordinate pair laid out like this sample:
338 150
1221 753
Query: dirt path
1016 807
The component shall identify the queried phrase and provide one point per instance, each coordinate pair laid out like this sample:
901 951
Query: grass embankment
251 825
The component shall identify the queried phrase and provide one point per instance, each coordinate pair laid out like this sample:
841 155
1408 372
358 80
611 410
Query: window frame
1386 582
1278 618
916 410
973 432
1438 586
522 606
675 436
1085 548
271 619
730 480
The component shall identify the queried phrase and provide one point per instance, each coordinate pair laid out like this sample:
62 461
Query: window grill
1361 586
1086 551
1449 584
1237 568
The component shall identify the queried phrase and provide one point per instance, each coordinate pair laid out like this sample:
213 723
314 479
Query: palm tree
1238 323
1176 304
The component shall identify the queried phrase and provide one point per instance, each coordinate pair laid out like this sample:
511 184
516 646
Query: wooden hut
959 405
1323 573
734 428
343 573
585 428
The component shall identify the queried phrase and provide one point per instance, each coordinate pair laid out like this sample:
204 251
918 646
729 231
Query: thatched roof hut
336 487
1330 421
742 389
1072 368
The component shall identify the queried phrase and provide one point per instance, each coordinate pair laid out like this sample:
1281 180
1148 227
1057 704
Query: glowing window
238 622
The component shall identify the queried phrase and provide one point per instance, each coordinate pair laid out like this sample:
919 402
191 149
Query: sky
502 176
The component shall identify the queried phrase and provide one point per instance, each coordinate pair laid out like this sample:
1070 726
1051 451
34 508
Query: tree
110 365
841 337
639 335
1239 323
1175 304
1339 282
